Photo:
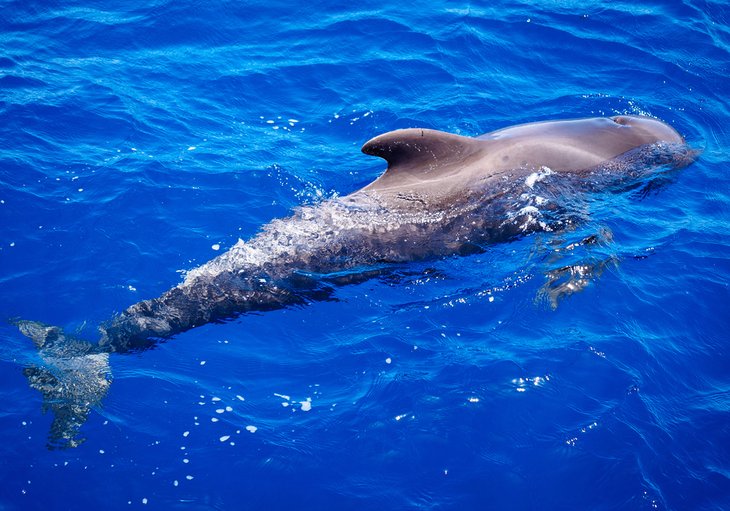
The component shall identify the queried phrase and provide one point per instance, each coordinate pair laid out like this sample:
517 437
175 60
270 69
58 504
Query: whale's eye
624 121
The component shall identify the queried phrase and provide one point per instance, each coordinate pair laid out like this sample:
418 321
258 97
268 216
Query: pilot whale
441 195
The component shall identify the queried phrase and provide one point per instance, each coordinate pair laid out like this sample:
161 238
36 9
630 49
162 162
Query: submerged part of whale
73 376
441 195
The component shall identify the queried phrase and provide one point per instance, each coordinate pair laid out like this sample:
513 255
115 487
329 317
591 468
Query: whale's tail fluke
73 376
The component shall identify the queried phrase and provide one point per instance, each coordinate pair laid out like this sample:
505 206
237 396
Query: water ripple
139 138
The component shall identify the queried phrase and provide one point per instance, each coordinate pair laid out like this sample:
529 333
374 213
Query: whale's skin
441 195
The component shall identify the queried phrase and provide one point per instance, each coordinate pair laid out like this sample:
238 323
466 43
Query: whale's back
435 165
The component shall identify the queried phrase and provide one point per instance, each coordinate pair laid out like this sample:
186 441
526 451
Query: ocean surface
138 140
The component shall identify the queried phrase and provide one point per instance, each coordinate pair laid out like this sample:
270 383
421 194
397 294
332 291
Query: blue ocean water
141 140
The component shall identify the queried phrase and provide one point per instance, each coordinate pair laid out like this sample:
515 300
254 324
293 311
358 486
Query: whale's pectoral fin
73 376
416 155
567 280
581 263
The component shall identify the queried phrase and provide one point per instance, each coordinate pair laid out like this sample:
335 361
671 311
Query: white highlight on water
306 405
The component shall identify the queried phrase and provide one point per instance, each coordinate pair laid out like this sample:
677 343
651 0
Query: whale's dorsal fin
417 155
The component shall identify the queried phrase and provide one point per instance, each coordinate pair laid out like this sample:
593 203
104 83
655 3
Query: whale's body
441 195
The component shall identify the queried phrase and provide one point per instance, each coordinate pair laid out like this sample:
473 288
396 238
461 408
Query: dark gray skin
441 195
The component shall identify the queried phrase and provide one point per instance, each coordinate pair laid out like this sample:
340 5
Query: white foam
529 210
536 177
